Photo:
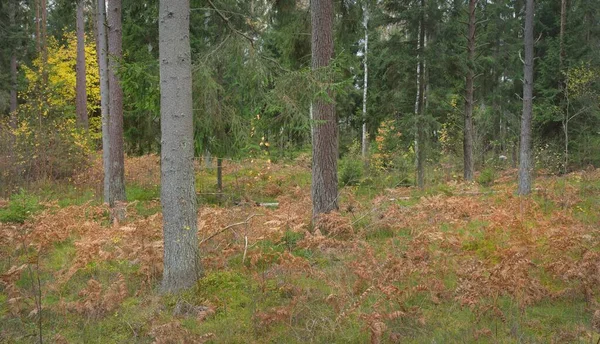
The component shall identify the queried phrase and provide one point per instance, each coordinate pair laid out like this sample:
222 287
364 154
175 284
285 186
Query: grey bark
420 103
178 197
525 156
324 187
469 99
13 68
115 109
220 175
365 138
101 47
80 87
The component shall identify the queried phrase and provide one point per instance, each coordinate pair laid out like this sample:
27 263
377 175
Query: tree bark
13 68
420 103
469 98
365 138
178 197
117 167
563 25
219 175
44 26
80 87
101 47
525 158
324 188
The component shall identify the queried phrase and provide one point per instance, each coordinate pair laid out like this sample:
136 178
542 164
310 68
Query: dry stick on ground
228 227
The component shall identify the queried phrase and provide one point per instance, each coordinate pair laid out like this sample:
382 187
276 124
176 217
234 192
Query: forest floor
456 263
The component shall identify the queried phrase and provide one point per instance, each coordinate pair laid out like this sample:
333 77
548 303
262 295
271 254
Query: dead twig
228 227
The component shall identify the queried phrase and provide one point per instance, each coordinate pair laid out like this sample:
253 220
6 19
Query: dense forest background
253 85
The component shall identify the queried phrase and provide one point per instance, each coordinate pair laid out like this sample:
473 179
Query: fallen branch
228 227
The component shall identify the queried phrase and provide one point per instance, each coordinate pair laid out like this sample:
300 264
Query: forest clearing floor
456 263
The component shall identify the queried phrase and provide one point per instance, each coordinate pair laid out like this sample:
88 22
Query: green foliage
487 176
350 170
20 207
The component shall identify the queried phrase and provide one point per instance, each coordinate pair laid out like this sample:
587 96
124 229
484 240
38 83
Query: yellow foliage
62 75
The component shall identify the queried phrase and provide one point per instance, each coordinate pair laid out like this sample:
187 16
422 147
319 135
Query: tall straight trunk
469 100
420 103
38 36
101 47
13 67
178 197
115 109
525 158
324 187
365 139
563 24
44 25
80 87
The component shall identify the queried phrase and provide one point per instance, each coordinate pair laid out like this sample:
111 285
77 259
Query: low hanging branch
228 227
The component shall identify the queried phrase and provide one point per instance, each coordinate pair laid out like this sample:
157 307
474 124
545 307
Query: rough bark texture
178 197
525 158
101 47
365 138
325 131
115 109
80 87
420 104
469 99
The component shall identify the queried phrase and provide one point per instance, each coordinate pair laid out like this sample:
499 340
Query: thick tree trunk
101 47
115 108
469 99
178 197
80 87
420 104
365 138
525 156
324 188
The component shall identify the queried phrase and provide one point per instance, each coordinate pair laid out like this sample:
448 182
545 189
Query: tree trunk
101 47
44 25
365 139
13 68
563 24
469 99
420 103
80 87
525 158
38 36
324 188
220 175
115 109
178 196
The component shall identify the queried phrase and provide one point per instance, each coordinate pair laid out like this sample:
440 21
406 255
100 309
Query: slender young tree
325 130
101 47
12 7
80 87
178 197
420 102
525 158
115 109
469 99
365 138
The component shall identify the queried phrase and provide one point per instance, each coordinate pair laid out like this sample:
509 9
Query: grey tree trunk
101 47
13 69
525 158
115 109
420 104
80 86
324 187
563 25
365 138
178 197
469 169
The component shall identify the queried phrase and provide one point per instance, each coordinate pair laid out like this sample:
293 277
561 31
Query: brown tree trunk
324 187
44 43
115 109
178 196
220 175
563 24
101 48
13 68
525 156
469 98
80 87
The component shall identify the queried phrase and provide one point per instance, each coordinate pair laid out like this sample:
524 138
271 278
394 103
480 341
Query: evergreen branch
228 23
